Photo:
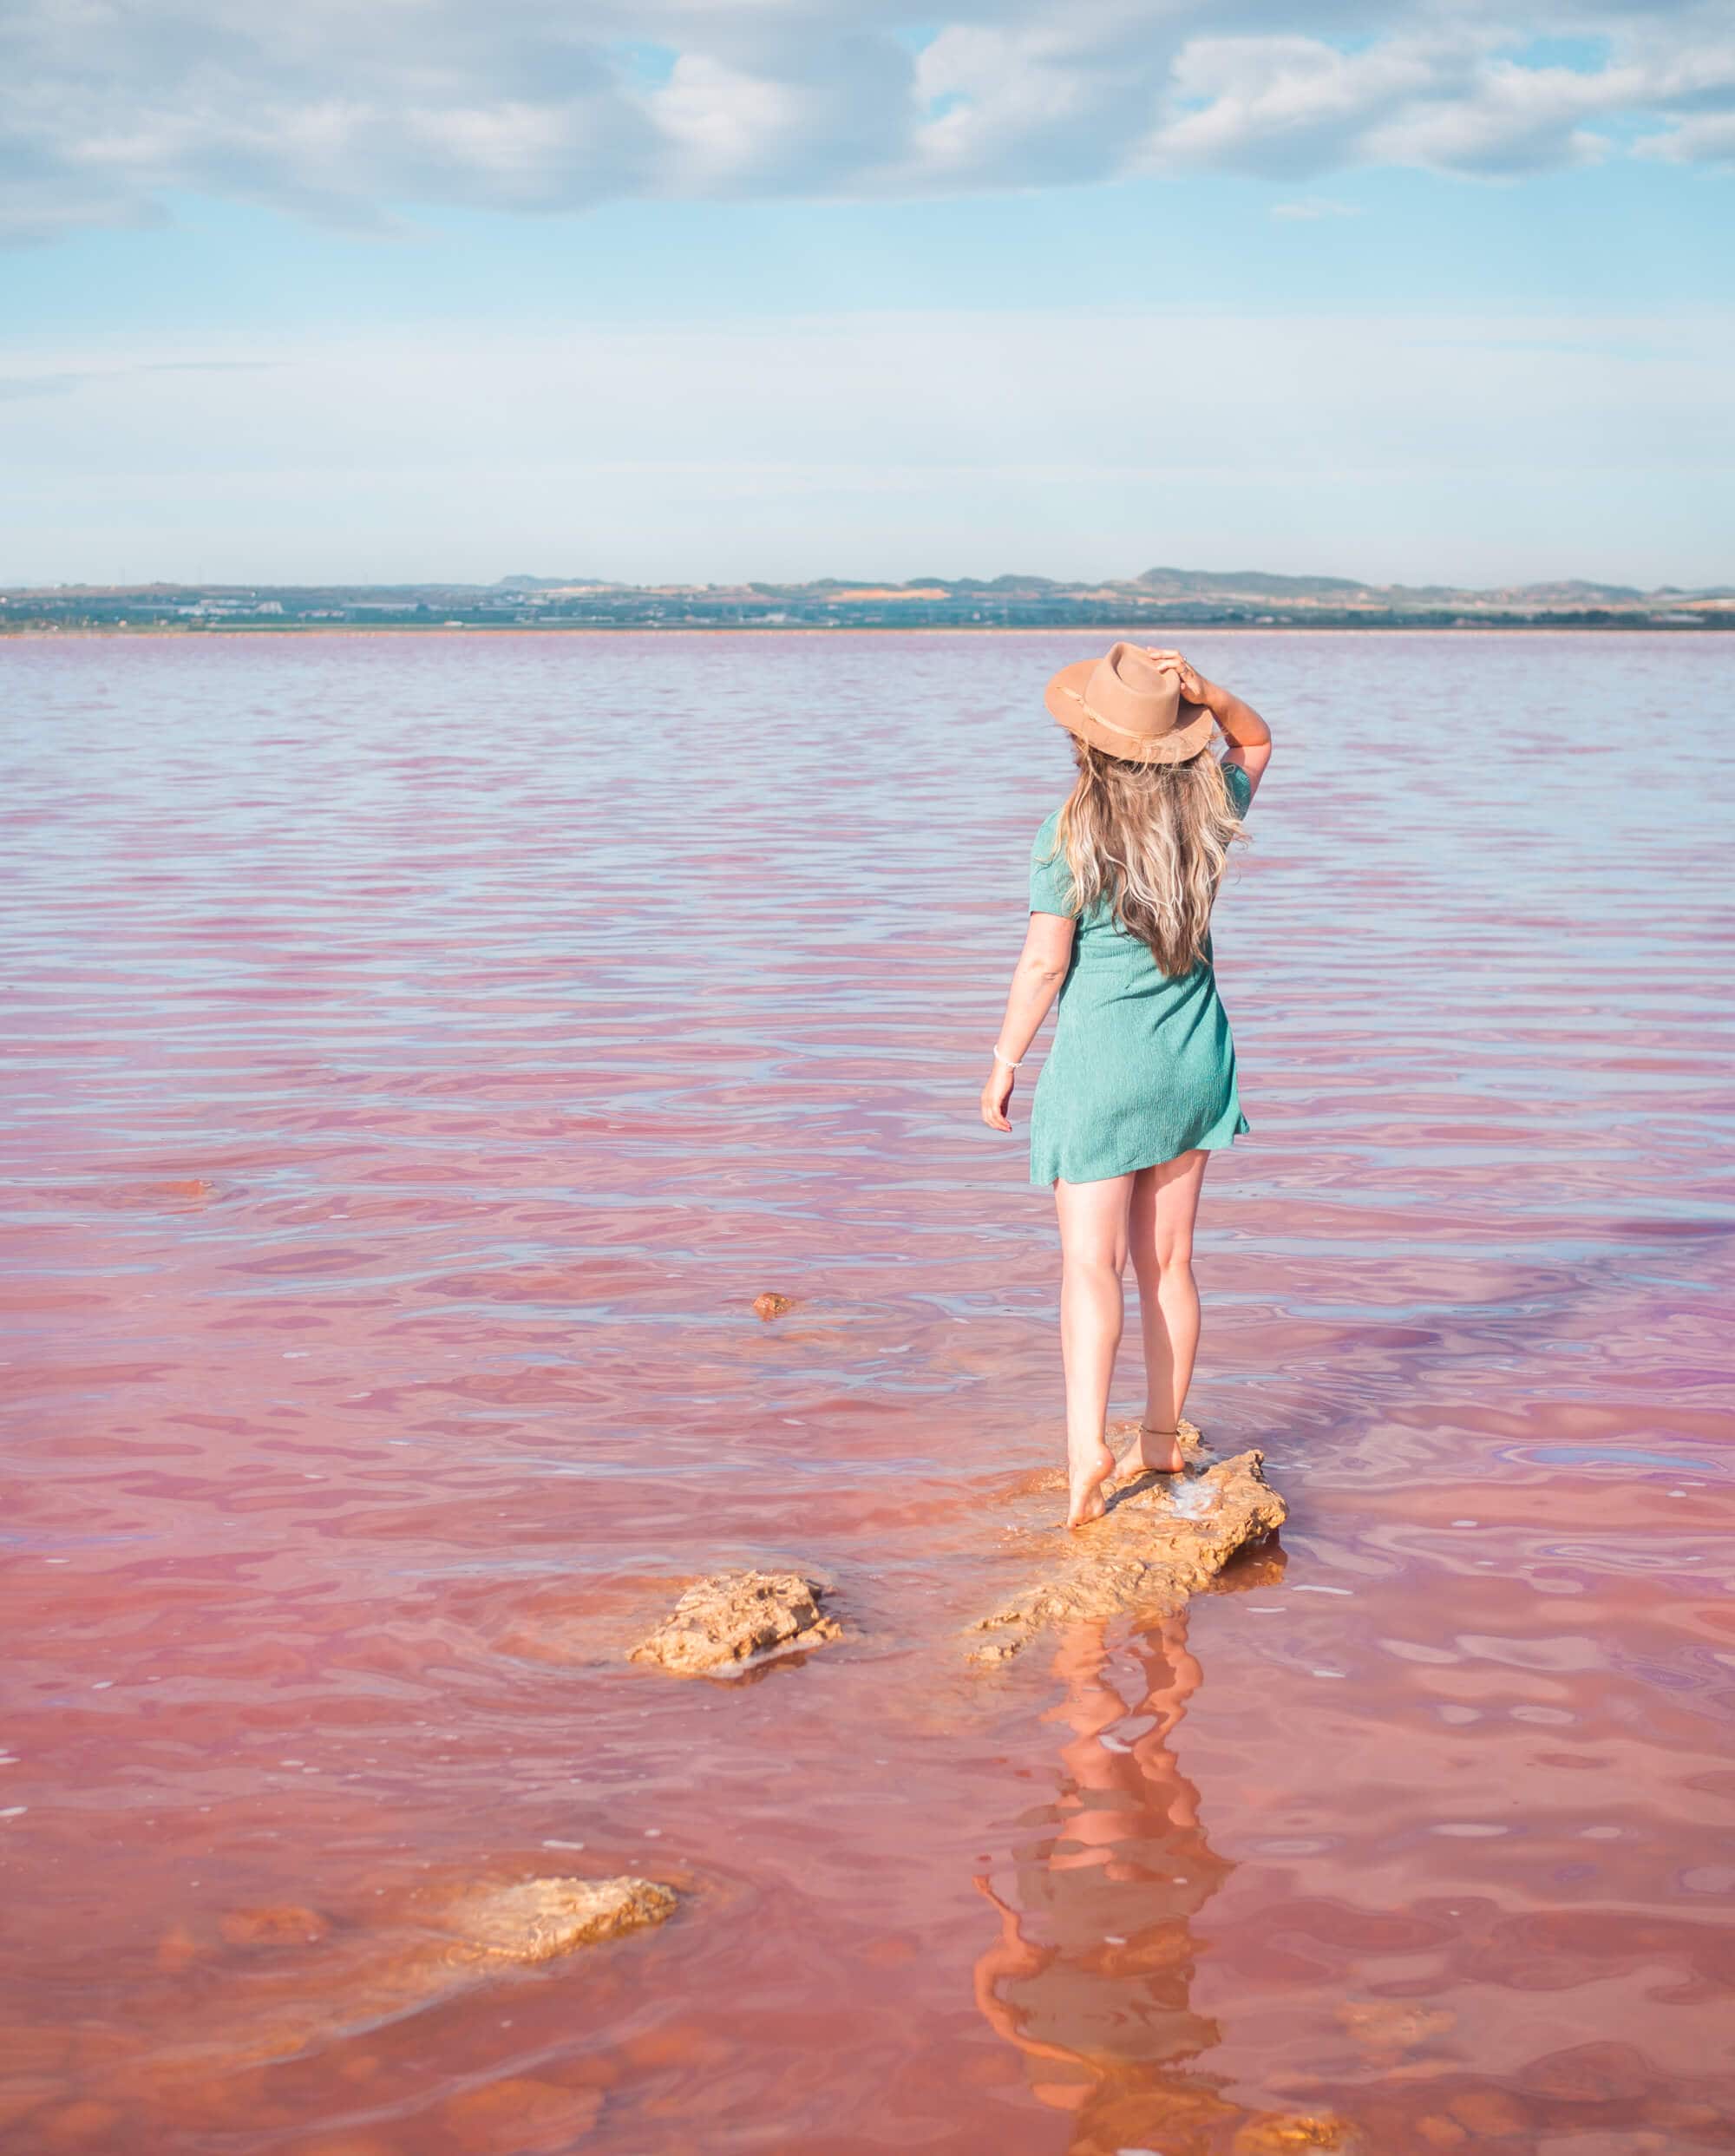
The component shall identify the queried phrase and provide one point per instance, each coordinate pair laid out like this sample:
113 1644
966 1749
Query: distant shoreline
43 632
1159 603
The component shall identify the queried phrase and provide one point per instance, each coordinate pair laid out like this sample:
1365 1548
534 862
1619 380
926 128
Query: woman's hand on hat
1194 685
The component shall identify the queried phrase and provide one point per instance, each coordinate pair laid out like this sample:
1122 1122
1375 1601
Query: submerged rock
1279 2133
1394 2025
1161 1539
730 1619
534 1920
284 1923
441 1945
771 1304
520 2116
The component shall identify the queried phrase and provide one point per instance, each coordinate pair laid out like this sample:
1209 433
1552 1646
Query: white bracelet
1007 1060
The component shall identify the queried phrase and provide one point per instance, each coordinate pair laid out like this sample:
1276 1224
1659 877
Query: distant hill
1247 583
1573 592
548 584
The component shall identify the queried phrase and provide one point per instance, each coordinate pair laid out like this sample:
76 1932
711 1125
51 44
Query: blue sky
704 291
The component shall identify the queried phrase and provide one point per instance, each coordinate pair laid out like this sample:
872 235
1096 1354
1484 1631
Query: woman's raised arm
1247 733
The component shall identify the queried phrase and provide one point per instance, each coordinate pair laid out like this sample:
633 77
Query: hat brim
1065 697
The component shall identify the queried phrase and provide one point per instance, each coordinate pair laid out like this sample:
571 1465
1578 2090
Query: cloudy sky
708 289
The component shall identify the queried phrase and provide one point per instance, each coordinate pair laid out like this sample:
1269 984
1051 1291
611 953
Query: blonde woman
1139 1088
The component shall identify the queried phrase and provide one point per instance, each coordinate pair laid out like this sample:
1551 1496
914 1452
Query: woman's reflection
1091 1973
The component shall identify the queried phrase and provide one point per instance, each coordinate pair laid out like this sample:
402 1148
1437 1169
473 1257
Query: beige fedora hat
1128 707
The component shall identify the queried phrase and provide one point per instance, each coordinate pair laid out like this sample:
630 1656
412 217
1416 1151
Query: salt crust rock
1175 2113
730 1619
1162 1539
535 1920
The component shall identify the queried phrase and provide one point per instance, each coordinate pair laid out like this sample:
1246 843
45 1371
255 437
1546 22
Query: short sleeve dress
1143 1067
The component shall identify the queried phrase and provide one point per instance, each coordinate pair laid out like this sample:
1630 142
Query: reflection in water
1092 1972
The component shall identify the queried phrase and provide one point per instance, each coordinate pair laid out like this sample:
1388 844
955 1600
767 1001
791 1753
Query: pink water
419 1054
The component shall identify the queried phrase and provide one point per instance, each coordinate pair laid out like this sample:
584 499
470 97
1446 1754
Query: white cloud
108 106
1298 104
1312 207
1708 141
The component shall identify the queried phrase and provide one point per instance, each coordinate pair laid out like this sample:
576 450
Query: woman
1139 1089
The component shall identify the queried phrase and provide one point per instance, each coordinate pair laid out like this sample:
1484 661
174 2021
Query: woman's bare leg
1165 1203
1093 1256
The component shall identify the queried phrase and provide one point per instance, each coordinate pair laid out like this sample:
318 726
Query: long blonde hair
1152 840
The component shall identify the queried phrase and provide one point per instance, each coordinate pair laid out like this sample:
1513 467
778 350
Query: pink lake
420 1051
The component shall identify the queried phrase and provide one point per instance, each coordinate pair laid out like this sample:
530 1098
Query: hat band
1125 732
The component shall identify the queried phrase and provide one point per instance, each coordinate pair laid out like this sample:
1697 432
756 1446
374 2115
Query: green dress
1143 1066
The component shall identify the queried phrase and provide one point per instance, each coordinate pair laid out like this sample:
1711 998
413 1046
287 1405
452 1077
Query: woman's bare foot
1154 1451
1084 1481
